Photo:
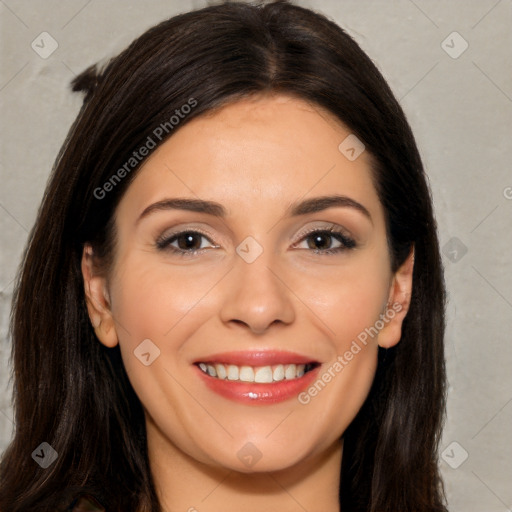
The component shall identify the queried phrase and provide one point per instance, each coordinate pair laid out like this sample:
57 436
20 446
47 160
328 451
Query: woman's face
250 247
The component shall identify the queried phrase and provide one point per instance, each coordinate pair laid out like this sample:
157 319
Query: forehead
271 148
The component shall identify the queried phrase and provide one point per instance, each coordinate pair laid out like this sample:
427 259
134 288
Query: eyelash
346 241
164 243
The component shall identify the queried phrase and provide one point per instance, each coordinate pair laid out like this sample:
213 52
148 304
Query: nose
255 297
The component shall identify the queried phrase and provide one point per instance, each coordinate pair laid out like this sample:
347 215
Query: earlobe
98 301
399 301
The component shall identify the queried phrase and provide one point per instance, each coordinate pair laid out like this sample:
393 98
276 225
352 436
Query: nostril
252 327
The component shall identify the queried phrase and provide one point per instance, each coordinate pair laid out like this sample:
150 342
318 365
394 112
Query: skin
255 157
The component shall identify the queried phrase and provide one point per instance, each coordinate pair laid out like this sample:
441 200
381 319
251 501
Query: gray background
461 113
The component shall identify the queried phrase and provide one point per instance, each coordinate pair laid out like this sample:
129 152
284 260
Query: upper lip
257 358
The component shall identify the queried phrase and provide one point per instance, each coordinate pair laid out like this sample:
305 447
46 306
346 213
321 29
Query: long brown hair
73 393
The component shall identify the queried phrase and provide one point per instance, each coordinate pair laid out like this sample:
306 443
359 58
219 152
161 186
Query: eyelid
327 227
179 229
347 241
163 240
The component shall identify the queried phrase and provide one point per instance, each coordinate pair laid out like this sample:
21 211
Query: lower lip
257 393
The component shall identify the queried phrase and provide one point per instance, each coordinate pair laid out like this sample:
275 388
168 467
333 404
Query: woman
232 297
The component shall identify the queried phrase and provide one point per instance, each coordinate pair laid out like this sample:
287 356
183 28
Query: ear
399 301
98 301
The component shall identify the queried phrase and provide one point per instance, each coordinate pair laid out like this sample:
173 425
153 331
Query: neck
185 484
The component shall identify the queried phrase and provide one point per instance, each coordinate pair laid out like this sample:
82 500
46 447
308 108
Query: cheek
344 381
152 300
166 305
349 299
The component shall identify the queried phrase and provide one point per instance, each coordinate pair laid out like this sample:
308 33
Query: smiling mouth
259 374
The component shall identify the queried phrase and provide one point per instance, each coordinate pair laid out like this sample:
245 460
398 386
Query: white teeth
232 372
278 372
290 372
263 374
246 374
221 371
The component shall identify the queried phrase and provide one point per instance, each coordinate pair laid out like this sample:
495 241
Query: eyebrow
313 205
192 205
318 204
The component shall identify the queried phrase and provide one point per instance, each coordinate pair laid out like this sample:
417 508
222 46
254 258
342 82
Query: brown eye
186 242
323 241
320 241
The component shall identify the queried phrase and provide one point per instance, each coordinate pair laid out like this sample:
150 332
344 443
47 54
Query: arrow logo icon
146 352
45 455
454 249
249 249
351 147
454 45
454 455
44 45
249 454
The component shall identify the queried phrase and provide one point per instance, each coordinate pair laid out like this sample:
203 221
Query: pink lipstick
257 377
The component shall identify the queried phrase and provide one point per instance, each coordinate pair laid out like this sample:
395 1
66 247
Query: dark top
85 503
